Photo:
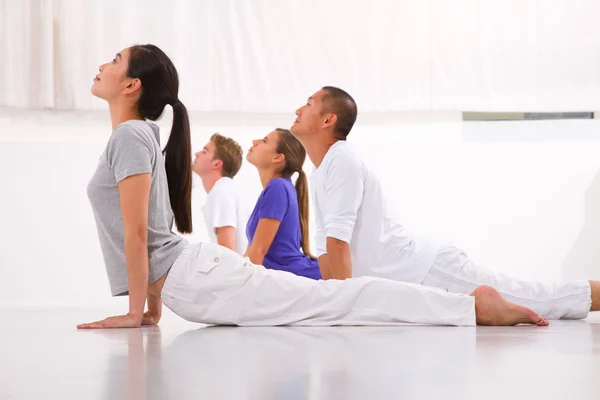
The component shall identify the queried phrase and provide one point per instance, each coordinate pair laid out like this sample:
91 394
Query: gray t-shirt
133 148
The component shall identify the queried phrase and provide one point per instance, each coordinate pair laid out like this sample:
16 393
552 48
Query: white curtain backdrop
270 55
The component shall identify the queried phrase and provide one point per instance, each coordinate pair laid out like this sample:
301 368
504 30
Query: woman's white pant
454 272
214 285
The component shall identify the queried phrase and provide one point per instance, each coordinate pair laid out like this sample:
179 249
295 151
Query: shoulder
279 188
279 184
224 185
343 157
223 188
133 133
138 128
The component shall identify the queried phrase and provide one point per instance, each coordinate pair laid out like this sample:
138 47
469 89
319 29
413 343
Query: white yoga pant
454 272
213 285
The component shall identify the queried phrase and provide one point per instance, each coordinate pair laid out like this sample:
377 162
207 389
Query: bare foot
494 310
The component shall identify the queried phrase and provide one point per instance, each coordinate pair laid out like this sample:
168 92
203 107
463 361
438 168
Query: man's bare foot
494 310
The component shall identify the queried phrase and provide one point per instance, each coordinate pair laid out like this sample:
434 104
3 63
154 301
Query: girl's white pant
213 285
454 272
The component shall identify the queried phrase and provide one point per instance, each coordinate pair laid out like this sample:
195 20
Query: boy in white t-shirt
225 211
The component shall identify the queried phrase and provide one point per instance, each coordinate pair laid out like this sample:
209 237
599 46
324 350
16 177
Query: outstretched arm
223 207
226 236
134 193
343 185
271 207
339 259
263 237
324 267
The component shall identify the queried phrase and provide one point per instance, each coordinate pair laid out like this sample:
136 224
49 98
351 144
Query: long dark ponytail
295 155
302 190
160 86
178 164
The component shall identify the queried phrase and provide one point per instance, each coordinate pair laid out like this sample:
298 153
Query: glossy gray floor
43 356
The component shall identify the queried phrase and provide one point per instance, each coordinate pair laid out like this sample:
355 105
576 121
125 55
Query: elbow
337 244
257 254
263 250
340 232
260 251
137 238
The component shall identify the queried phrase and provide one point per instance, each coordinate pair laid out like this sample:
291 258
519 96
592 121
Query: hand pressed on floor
119 321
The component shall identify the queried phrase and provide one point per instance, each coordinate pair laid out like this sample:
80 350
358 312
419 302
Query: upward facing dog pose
225 211
278 226
359 235
136 192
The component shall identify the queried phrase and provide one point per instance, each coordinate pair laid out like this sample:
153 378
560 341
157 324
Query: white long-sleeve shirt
350 206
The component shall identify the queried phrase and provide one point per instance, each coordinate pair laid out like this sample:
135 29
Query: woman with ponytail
278 227
137 192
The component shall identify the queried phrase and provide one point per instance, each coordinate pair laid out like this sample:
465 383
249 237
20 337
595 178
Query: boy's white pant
454 272
214 285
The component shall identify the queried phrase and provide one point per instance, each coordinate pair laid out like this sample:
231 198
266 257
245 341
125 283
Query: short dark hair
340 103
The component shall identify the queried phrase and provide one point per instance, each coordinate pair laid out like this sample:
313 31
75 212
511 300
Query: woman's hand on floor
120 321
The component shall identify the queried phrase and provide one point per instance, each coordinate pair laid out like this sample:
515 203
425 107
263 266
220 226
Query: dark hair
160 86
340 103
295 155
229 152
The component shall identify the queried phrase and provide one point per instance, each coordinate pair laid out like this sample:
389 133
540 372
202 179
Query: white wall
267 55
521 197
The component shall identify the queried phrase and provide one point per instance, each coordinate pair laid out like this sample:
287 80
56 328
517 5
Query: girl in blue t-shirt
277 230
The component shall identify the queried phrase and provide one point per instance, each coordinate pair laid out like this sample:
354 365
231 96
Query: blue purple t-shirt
279 201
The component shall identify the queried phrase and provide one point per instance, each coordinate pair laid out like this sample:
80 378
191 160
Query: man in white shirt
225 212
358 234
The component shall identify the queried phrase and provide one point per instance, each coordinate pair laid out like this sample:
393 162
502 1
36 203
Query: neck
317 149
120 113
209 181
266 176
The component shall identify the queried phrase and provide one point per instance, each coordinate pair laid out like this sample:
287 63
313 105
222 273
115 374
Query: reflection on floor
43 356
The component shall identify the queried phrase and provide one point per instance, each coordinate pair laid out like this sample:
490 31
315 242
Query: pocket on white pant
211 256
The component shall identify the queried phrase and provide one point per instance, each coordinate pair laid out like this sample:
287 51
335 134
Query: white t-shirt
350 206
226 207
